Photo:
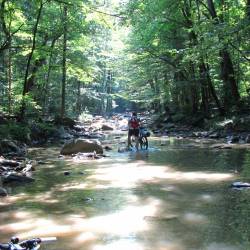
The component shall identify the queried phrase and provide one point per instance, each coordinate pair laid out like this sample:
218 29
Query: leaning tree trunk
26 86
65 13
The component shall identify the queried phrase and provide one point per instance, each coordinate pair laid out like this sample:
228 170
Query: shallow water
175 196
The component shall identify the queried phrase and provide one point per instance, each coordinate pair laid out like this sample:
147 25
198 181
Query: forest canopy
62 57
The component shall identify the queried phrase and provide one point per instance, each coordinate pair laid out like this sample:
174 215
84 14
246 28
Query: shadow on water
174 196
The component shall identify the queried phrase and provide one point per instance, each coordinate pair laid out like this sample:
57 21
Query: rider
133 129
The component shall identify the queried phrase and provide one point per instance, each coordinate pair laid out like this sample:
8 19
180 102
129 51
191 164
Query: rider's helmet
134 114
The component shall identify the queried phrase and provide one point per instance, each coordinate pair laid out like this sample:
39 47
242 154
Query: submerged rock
240 185
84 156
107 148
124 149
16 177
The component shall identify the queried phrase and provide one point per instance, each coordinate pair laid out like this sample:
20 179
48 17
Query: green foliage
42 130
149 52
170 40
19 132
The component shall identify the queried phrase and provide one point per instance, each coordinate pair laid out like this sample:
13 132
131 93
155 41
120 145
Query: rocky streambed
91 140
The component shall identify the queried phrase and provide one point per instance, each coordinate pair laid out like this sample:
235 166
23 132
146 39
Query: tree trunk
65 13
46 83
25 85
109 92
9 81
211 88
7 55
231 93
78 102
248 9
6 44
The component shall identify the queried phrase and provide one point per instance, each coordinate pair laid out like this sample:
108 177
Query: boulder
107 127
169 125
3 192
3 119
124 149
81 145
11 163
234 139
214 135
62 134
247 140
65 121
107 147
12 147
168 119
241 124
79 128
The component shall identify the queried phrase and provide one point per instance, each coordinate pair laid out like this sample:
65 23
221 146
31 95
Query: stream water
175 196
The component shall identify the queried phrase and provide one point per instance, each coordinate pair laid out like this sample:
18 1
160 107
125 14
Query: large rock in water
80 145
107 127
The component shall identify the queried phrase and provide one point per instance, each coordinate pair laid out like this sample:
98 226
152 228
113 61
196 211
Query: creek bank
234 130
15 171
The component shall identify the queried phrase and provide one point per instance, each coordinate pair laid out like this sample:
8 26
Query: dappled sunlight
39 227
123 222
122 244
46 197
129 219
12 199
127 201
221 246
194 218
27 224
135 173
207 197
130 244
85 237
71 186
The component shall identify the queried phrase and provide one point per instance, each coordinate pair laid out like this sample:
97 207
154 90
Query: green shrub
19 132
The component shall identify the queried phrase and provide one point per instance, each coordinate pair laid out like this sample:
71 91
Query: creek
174 196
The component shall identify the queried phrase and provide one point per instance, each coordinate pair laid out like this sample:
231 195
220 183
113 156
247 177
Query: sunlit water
175 196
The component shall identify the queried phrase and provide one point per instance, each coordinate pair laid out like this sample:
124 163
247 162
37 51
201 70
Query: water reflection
176 198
